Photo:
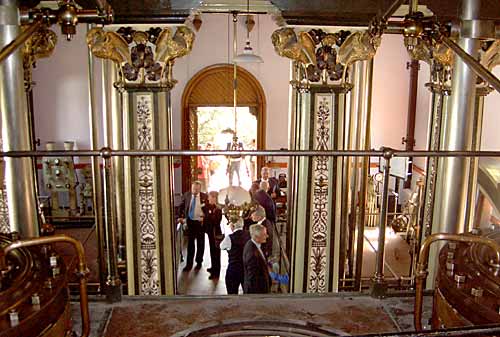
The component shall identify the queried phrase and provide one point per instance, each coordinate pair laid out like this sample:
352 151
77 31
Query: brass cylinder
82 270
421 272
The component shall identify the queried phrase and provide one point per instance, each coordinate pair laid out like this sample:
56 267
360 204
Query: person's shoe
213 277
187 268
209 269
198 266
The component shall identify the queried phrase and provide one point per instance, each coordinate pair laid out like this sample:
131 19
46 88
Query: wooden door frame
189 125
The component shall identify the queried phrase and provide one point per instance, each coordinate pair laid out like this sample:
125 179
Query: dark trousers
214 253
195 232
234 278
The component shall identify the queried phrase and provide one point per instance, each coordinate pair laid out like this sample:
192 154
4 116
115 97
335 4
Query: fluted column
19 172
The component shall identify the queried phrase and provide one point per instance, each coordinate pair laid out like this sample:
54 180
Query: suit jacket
256 273
212 219
186 202
267 202
267 247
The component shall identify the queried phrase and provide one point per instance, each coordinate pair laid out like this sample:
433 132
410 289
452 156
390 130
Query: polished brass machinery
34 294
466 289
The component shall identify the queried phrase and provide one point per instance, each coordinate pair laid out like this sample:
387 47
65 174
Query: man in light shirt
256 276
234 244
191 213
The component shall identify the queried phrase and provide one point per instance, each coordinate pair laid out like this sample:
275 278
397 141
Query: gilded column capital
314 52
359 46
144 58
491 57
40 44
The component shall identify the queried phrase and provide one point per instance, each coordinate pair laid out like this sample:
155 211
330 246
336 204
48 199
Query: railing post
113 284
379 286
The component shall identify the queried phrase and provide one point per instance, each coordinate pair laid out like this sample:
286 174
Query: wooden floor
397 261
196 282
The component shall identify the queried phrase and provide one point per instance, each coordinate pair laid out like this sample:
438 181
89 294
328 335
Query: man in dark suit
191 213
259 217
256 276
273 189
265 200
211 222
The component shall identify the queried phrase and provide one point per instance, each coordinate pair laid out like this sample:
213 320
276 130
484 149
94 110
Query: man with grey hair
273 189
256 275
259 216
234 244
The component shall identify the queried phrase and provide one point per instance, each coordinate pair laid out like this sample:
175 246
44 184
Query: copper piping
421 272
82 268
20 39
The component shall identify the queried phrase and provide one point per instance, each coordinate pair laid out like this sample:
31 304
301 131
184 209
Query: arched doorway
213 87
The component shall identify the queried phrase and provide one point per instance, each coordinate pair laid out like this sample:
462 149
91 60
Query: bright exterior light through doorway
215 131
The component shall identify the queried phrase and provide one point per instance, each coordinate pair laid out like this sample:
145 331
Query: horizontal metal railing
107 152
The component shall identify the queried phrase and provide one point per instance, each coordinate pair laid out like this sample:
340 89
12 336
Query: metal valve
476 292
14 317
460 278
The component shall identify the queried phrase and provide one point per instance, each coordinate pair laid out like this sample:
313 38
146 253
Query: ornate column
440 60
145 60
317 122
19 172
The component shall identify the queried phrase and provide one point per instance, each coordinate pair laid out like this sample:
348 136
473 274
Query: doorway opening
208 122
211 89
215 132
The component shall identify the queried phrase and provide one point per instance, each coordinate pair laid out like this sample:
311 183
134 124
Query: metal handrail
107 152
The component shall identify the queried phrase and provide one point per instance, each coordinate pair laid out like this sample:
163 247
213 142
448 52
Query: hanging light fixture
247 56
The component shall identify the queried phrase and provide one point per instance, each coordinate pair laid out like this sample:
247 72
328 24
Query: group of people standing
210 169
250 244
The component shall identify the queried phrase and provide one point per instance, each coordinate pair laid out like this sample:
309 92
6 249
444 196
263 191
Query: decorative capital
143 57
359 46
315 52
299 48
40 44
491 57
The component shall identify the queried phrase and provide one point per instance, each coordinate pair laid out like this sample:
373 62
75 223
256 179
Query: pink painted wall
491 119
61 92
390 93
61 99
214 44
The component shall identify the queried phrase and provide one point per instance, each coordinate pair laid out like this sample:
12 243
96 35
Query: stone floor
166 316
